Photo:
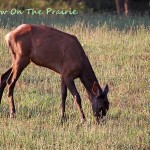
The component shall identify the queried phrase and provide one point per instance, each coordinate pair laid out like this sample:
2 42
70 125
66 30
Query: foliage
40 4
86 5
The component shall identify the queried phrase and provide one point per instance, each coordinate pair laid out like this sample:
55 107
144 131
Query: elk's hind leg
63 97
3 80
17 69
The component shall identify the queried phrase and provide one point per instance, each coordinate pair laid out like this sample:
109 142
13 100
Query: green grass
118 49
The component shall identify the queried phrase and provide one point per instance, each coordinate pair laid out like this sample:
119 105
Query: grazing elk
60 52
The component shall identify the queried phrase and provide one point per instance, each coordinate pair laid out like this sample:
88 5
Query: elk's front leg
63 97
71 86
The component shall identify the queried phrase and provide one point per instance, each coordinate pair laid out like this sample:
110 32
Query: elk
60 52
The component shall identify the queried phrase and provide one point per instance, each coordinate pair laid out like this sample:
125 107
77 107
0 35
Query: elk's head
100 103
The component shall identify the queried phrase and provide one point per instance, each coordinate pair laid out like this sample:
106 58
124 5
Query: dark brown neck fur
88 78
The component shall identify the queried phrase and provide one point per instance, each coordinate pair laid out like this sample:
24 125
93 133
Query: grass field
118 49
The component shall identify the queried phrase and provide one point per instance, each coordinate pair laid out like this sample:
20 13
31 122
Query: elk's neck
88 78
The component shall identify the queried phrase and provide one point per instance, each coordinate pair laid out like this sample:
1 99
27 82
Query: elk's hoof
63 119
83 120
12 115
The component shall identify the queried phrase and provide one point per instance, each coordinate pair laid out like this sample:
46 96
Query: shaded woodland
118 6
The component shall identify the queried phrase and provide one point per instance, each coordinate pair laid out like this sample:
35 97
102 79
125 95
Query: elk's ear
106 89
95 89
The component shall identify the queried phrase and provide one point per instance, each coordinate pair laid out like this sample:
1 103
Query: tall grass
118 49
